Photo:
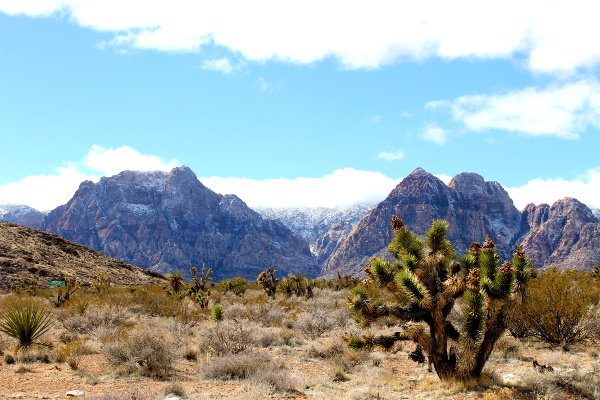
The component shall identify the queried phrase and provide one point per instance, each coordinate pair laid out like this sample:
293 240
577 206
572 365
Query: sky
300 103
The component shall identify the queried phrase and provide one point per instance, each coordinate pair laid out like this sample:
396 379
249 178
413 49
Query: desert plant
25 324
237 285
150 353
268 282
431 278
227 337
176 281
557 305
200 281
63 293
217 313
237 366
202 298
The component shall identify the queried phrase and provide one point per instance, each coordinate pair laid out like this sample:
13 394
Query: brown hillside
30 254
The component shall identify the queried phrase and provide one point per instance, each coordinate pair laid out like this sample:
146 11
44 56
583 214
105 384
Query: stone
75 393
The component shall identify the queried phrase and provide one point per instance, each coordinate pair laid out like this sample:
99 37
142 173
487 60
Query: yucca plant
428 279
25 324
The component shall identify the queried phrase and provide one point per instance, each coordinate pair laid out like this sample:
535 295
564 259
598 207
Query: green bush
557 305
25 324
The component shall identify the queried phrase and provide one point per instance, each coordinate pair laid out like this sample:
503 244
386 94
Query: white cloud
558 110
391 156
585 189
221 65
434 134
46 192
549 35
343 187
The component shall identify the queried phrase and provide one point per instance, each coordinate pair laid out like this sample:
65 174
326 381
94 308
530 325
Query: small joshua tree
176 281
63 293
268 281
428 280
200 281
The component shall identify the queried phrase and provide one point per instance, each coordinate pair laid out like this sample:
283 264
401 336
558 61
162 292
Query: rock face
566 235
324 246
475 208
165 221
33 255
21 215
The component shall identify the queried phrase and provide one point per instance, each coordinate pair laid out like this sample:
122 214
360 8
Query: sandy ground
393 376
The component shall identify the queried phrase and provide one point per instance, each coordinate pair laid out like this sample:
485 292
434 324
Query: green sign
57 283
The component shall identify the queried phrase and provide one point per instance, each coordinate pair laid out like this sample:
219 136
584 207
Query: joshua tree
63 293
176 281
200 282
268 281
428 280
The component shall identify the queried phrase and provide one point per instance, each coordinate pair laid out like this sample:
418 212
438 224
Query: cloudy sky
300 102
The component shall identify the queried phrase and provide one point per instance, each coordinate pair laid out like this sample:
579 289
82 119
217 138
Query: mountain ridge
189 223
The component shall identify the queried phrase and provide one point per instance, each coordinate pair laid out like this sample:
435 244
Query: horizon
330 103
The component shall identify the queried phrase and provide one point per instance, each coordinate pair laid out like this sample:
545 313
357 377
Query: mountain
475 209
165 221
313 222
325 245
32 255
21 215
565 235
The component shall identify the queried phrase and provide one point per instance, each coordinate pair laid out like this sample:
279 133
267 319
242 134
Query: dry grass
265 348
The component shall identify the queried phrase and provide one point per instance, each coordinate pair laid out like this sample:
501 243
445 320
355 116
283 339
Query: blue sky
299 103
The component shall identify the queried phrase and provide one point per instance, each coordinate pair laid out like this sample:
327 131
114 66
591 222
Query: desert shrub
26 324
150 352
266 314
557 304
72 352
277 377
314 325
32 355
227 337
327 351
175 389
95 317
236 366
237 285
507 347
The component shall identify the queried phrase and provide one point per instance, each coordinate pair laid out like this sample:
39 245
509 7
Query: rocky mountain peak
566 234
475 209
164 221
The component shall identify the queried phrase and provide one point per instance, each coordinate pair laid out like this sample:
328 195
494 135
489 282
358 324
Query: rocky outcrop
165 221
566 235
475 209
29 255
21 215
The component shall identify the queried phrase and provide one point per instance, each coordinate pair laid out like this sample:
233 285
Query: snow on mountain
21 215
313 222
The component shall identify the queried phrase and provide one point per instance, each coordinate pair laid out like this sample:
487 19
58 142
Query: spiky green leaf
474 314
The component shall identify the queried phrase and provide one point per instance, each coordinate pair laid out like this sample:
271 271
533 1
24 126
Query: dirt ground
384 376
